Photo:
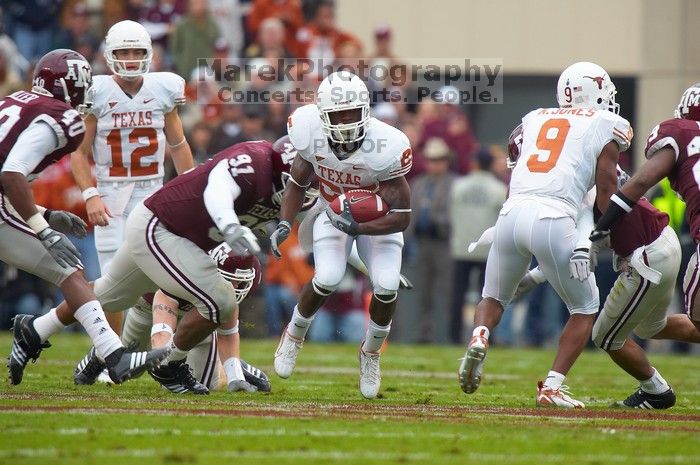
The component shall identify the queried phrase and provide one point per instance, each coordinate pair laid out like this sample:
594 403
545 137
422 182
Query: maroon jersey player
38 128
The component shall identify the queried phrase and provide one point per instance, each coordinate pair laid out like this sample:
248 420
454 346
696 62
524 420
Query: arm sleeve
584 221
32 145
219 195
663 135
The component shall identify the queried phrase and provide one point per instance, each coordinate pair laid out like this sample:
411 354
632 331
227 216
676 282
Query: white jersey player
565 152
131 119
338 141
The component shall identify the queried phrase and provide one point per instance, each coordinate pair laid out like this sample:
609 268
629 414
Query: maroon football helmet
65 75
244 271
689 106
515 142
282 157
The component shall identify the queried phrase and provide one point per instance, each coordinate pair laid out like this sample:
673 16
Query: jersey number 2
114 140
553 145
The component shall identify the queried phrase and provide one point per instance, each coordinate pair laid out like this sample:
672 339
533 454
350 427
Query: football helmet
341 91
282 158
243 271
586 85
515 142
128 35
63 74
689 106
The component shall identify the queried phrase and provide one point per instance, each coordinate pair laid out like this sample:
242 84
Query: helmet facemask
340 132
121 67
242 280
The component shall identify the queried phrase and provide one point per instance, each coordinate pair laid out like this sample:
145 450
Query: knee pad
385 283
386 298
323 290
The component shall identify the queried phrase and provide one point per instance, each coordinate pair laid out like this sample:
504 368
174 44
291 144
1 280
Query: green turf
319 417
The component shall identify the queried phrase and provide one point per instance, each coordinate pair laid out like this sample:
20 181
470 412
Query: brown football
365 205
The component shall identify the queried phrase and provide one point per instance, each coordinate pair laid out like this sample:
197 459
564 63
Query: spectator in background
14 59
430 232
269 42
160 19
284 278
193 38
287 11
475 202
228 131
321 38
253 124
343 318
383 58
77 33
228 16
32 24
200 140
447 121
386 112
276 119
10 81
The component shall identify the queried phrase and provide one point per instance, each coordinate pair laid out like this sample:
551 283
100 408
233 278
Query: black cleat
131 364
26 345
256 377
177 377
89 368
644 400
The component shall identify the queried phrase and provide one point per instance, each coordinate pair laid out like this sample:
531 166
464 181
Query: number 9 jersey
130 142
559 152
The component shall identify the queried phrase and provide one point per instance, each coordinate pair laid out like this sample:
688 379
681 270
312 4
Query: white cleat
549 397
472 366
286 354
370 374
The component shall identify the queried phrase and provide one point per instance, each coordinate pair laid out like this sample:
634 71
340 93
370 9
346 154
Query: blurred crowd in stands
457 184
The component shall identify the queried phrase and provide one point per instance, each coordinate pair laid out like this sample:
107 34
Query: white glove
531 279
579 264
596 248
241 240
278 236
66 222
486 238
241 385
61 249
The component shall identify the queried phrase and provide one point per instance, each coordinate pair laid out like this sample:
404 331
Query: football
365 205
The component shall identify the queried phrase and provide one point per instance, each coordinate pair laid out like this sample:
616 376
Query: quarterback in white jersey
132 115
564 152
345 148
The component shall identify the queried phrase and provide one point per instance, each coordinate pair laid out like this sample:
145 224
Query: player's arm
31 147
301 175
179 148
164 319
221 192
606 175
97 212
397 194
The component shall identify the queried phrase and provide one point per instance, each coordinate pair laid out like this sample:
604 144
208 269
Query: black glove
60 248
343 221
278 236
598 235
66 222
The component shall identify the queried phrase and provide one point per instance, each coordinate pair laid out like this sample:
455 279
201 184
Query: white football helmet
586 85
128 35
340 91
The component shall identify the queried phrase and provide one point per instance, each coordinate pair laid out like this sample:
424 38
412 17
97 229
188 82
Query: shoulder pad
395 158
302 124
172 85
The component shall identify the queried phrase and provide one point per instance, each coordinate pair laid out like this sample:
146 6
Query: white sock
48 324
299 325
93 319
375 337
655 385
175 355
482 331
554 379
233 370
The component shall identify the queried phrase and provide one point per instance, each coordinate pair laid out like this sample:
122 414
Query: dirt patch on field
644 420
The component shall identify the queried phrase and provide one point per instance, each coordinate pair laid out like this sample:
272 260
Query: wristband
89 193
184 139
37 223
285 223
227 332
161 328
46 214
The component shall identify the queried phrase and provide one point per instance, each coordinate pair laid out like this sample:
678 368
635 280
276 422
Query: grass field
318 416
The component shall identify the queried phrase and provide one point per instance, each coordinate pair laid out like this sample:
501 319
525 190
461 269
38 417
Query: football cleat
177 377
26 345
132 364
256 377
472 366
549 397
286 354
370 374
89 368
645 400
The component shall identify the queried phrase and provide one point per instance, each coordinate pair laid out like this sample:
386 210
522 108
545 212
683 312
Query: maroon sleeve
676 134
